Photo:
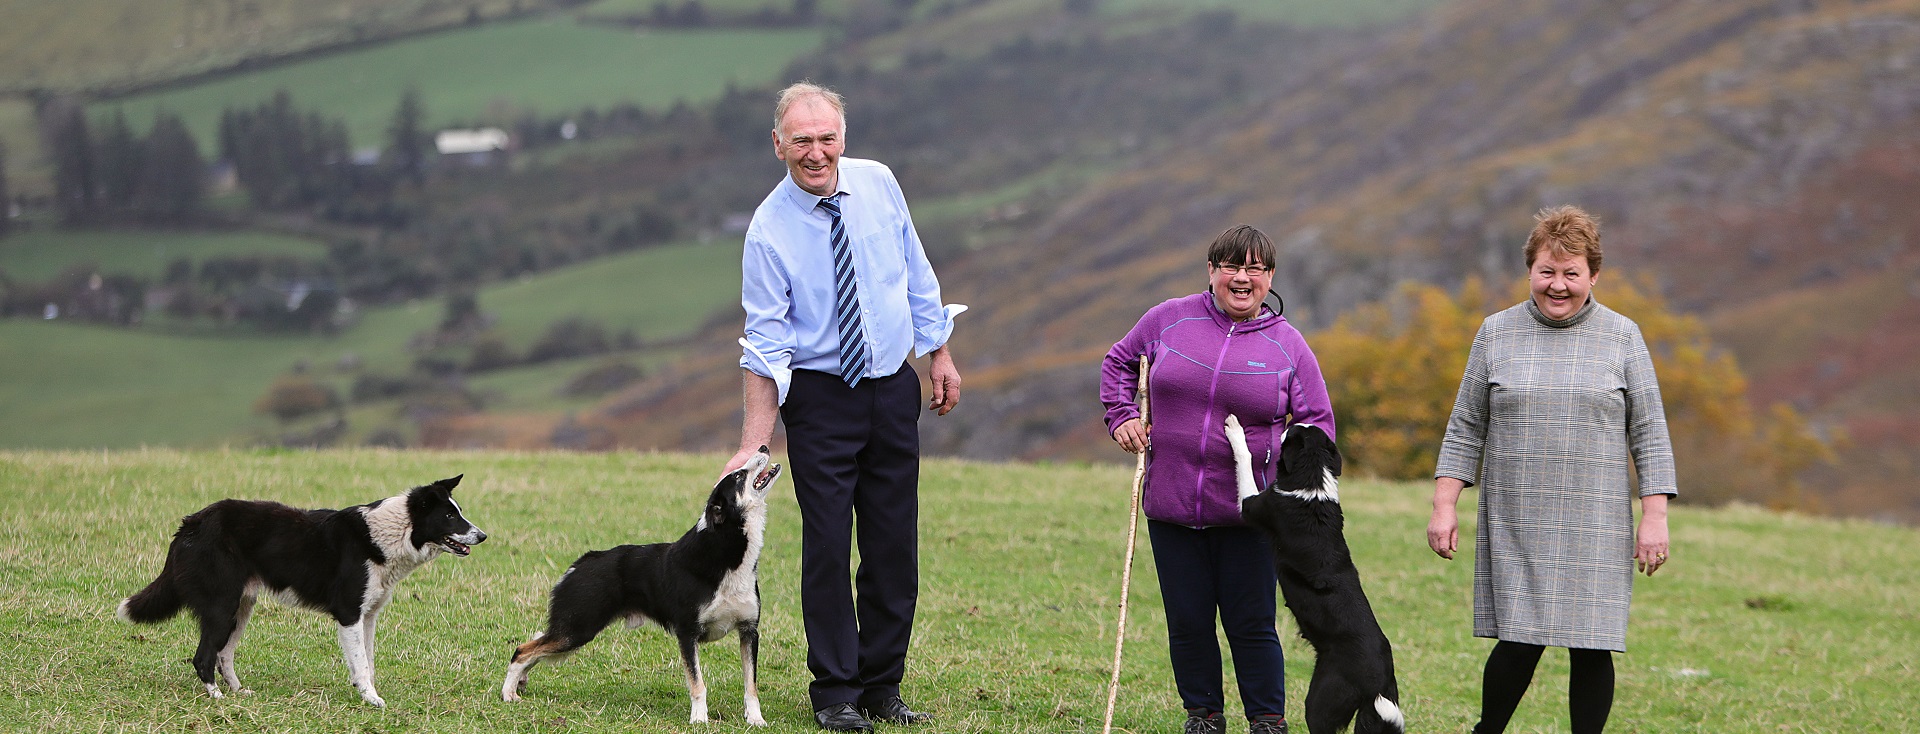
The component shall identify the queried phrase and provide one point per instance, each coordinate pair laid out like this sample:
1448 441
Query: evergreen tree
6 197
71 147
406 143
173 178
118 170
285 158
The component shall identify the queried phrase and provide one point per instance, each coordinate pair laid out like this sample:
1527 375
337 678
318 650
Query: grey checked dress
1550 418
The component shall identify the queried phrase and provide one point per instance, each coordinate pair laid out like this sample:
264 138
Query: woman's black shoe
1202 721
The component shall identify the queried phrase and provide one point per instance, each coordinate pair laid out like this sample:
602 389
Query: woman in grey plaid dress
1558 401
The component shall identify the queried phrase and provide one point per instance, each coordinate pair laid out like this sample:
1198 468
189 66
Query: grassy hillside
74 385
1296 12
723 8
1762 623
494 72
40 254
87 44
1421 155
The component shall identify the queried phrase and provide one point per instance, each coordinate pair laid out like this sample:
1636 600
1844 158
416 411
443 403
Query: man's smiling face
810 141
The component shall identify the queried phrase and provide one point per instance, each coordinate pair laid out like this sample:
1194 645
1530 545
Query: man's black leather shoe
895 711
841 717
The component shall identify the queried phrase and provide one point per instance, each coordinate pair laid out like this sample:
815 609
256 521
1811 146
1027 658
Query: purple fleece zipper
1213 388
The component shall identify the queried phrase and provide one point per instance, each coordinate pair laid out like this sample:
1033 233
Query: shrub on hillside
601 379
491 353
569 338
295 396
372 386
1394 368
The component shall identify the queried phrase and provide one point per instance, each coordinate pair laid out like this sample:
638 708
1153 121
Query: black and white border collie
341 562
1300 515
698 588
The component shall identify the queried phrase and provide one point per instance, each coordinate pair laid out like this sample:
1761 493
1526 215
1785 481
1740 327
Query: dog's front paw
373 698
1236 436
753 714
214 691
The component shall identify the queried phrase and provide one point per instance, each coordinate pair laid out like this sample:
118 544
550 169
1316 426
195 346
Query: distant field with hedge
492 74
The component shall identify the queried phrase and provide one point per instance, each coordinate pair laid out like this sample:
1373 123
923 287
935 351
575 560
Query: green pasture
1762 623
1311 13
20 136
492 74
659 293
43 253
723 8
71 385
74 45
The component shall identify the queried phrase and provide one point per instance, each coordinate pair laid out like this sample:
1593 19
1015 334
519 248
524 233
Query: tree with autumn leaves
1394 367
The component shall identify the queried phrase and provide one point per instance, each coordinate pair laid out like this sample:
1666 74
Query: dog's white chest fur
390 526
737 599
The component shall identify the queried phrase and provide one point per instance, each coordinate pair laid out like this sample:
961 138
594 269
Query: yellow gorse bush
1394 367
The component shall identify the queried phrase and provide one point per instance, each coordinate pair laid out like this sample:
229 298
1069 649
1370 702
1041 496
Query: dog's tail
1390 715
156 603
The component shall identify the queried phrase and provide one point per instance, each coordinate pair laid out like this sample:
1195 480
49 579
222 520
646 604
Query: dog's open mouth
766 477
455 547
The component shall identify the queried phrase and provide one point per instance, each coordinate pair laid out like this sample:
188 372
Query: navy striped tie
846 299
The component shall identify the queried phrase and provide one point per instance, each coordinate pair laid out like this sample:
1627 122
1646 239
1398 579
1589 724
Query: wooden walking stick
1126 575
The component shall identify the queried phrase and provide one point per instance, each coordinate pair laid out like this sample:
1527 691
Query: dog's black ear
716 515
449 483
1333 463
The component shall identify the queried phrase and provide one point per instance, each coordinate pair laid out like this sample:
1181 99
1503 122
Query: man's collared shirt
787 288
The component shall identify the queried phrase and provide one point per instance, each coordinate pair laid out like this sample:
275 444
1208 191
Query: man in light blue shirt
839 294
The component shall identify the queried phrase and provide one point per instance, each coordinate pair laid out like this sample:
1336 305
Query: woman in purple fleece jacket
1210 354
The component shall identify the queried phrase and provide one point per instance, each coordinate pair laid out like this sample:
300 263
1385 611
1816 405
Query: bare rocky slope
1757 158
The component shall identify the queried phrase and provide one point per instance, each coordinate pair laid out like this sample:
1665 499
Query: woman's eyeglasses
1251 270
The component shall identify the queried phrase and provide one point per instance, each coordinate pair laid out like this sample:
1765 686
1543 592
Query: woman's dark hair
1244 245
1241 245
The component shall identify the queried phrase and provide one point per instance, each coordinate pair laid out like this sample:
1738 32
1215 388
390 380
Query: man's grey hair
803 90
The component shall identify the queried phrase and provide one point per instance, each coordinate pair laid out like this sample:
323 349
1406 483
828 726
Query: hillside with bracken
1756 159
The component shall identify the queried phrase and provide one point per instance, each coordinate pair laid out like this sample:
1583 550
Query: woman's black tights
1510 671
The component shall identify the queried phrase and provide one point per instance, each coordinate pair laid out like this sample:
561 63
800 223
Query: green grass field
492 73
1762 623
72 385
629 8
1310 13
43 253
81 44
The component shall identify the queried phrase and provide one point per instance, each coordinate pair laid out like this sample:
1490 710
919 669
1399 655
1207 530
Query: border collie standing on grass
1300 514
697 588
341 562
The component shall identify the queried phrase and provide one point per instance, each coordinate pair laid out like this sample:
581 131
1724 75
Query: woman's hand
1650 545
1443 529
1132 436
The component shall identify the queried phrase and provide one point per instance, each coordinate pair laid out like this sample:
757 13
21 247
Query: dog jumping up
1300 515
698 588
344 563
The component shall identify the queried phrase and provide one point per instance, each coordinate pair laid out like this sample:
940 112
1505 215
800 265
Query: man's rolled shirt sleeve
767 348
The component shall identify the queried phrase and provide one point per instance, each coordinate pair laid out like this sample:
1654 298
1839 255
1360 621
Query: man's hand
946 382
759 403
739 460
